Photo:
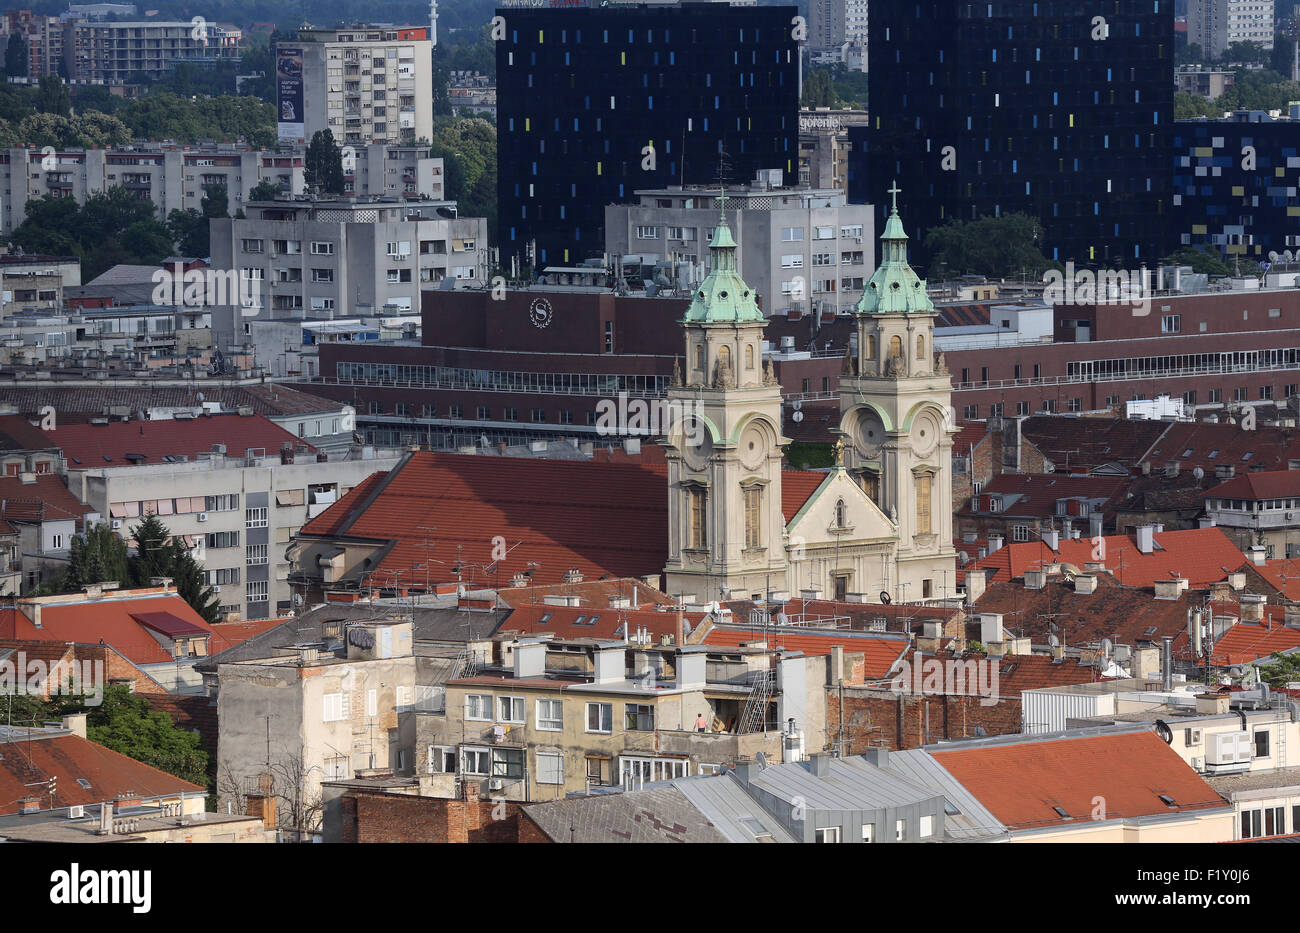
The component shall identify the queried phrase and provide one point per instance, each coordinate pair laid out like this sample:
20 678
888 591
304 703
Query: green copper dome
894 288
723 297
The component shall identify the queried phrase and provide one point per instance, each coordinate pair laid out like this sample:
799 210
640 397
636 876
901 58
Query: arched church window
699 356
920 346
749 356
841 514
895 346
724 356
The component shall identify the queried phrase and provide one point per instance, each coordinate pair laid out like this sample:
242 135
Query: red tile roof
968 436
797 487
1020 672
71 758
234 633
48 499
602 518
101 445
1199 554
17 433
1283 575
601 623
111 620
1021 782
1266 484
1247 641
1079 444
1034 495
593 593
1192 444
882 651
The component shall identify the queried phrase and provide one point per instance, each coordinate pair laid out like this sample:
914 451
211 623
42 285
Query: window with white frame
256 591
321 248
823 233
255 554
791 234
475 761
868 832
1019 532
647 233
442 759
336 707
478 707
510 709
550 768
255 518
550 715
827 834
645 770
600 717
927 827
336 768
900 830
792 261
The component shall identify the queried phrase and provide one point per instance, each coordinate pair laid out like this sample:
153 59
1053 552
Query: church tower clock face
869 434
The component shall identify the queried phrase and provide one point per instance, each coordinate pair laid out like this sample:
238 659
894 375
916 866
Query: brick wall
882 719
379 817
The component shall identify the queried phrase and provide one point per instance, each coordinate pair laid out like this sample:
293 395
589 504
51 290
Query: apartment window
1074 404
319 248
927 827
753 516
539 415
791 234
221 503
868 832
1216 395
510 709
322 275
255 518
56 542
550 768
475 761
970 412
336 707
251 246
1171 324
484 413
336 768
1019 532
829 834
823 259
647 233
600 717
900 830
823 233
223 576
792 261
511 414
1261 743
699 518
256 591
640 717
255 554
442 759
478 707
508 763
222 539
550 715
597 769
1265 392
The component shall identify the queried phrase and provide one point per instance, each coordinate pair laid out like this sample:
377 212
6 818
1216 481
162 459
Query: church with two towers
880 521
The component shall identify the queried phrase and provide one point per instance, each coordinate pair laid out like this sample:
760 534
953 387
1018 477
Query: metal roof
723 801
972 821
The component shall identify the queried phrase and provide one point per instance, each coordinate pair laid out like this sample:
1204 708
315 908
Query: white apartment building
327 259
836 26
237 513
800 248
365 84
1216 24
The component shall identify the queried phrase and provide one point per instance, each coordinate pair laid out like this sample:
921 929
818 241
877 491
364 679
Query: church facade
880 521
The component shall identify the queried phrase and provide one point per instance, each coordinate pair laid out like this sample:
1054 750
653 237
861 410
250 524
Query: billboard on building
289 92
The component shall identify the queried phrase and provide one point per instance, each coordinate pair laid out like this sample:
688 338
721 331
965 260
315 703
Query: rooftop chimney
1052 539
1252 608
1035 579
877 756
1167 663
1085 583
995 543
1146 538
1257 554
990 628
610 662
820 765
691 667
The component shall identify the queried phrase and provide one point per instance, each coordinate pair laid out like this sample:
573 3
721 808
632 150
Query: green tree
1280 670
16 56
1009 245
817 89
264 191
1201 261
1249 52
323 163
53 96
190 231
97 556
158 555
474 141
1281 58
1189 54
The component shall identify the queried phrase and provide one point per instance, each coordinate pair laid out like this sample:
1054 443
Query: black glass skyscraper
1060 108
582 93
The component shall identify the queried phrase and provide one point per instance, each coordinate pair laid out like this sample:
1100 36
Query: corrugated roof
972 821
722 800
850 784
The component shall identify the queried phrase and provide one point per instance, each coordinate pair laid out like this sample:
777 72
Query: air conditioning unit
117 523
496 784
1191 736
1198 764
76 813
203 516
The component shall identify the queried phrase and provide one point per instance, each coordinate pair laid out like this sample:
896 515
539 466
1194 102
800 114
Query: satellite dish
1272 256
797 417
762 760
1166 734
1288 255
1053 640
1106 648
1198 473
884 598
796 404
